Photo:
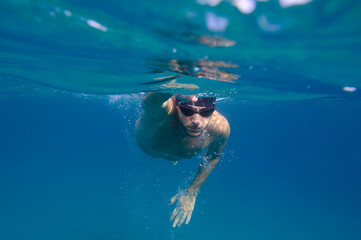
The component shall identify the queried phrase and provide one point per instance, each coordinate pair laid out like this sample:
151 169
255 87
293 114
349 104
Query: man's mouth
194 130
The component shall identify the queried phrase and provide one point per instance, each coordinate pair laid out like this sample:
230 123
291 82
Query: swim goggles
186 106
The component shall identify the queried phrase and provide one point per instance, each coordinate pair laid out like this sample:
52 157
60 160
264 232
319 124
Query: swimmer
181 126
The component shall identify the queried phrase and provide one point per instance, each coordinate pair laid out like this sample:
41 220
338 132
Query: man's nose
196 119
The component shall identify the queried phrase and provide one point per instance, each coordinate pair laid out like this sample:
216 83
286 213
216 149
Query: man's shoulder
219 126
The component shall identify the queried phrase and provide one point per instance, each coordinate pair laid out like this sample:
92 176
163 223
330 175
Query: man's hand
184 209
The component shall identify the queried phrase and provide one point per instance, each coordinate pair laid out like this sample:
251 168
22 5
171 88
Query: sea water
286 75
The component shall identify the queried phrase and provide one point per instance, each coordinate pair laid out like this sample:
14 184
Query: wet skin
163 131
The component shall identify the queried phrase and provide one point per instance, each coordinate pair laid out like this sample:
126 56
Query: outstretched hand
184 209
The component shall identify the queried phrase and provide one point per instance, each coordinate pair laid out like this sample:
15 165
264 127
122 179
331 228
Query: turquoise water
287 79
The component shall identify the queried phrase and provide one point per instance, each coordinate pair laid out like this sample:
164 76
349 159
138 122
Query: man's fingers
181 221
189 217
172 200
174 214
176 220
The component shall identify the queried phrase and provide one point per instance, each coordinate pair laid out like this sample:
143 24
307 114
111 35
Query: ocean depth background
287 77
70 169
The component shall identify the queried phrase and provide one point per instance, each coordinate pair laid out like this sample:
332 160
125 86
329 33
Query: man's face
193 125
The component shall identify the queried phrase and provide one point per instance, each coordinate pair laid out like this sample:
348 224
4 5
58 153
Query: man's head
194 113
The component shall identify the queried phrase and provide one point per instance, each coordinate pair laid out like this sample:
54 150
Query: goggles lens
187 106
189 111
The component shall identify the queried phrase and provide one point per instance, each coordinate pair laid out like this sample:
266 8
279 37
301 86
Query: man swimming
181 126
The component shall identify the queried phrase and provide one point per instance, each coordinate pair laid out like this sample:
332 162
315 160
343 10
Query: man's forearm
204 171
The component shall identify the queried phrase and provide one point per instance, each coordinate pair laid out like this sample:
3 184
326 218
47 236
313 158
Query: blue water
287 80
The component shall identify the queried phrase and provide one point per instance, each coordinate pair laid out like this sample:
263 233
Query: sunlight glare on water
280 50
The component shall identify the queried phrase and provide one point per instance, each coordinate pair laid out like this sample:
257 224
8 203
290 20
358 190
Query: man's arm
221 132
209 161
157 104
187 199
